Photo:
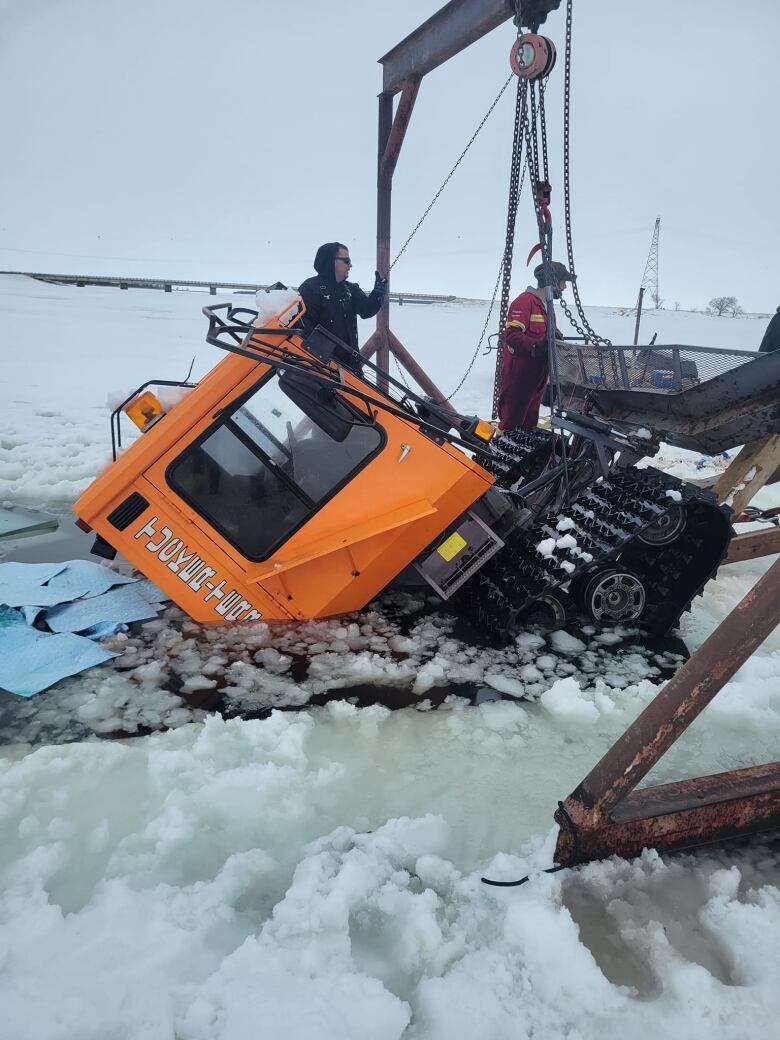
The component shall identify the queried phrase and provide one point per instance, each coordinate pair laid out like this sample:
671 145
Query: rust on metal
392 131
605 815
447 32
383 212
676 816
370 347
392 149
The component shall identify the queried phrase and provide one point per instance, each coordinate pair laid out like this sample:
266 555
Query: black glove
380 284
541 350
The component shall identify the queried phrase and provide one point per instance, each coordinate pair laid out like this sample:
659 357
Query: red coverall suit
524 362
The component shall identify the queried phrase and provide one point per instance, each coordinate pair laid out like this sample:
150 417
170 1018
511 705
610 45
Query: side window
265 467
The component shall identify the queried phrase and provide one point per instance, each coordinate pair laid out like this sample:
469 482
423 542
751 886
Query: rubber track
608 518
518 454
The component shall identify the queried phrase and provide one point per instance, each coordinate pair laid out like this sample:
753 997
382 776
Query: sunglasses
345 260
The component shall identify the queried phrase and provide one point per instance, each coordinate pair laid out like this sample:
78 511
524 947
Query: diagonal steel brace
606 816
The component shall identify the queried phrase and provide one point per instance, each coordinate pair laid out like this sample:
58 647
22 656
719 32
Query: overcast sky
191 139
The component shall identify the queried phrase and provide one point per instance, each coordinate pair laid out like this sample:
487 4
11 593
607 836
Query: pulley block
532 56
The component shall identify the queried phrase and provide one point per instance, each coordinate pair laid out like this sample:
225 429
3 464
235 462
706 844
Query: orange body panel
338 560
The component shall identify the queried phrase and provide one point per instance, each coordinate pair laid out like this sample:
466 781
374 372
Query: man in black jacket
334 302
771 340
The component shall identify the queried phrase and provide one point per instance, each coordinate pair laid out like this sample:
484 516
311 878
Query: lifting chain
532 143
521 119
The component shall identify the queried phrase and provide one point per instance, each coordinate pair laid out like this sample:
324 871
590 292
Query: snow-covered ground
315 873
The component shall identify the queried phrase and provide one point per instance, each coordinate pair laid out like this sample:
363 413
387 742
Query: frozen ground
315 873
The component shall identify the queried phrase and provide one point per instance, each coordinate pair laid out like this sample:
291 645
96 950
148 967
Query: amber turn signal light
145 410
484 430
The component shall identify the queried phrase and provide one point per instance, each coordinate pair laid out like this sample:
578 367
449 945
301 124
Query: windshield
265 467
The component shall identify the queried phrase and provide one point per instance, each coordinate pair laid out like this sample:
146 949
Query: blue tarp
47 585
122 604
70 598
31 661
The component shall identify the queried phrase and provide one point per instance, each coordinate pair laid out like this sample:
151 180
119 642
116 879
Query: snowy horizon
200 285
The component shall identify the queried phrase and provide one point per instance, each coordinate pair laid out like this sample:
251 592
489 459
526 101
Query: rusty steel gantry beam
446 33
605 816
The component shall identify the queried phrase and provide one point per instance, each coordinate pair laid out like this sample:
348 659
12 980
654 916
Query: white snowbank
564 699
232 880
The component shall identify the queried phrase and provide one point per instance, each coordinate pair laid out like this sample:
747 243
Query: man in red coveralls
524 361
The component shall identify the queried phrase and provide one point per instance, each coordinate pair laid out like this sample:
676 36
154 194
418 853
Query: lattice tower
650 277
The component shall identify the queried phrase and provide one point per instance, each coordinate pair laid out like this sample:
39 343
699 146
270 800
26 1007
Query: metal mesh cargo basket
661 369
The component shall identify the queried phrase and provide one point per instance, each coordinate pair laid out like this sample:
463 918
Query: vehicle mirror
319 402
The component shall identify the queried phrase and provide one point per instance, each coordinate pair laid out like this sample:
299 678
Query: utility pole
638 314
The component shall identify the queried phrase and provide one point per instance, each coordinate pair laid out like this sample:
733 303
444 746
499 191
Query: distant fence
169 284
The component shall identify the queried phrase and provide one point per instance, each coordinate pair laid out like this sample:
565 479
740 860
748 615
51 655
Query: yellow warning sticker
450 549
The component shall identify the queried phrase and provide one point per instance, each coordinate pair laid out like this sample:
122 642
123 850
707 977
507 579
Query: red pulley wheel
532 56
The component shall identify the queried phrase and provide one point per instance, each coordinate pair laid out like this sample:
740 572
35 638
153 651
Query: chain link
532 122
475 355
433 201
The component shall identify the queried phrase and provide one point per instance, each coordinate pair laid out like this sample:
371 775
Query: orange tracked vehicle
288 484
274 491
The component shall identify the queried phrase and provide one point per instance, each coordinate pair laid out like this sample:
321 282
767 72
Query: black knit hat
554 271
